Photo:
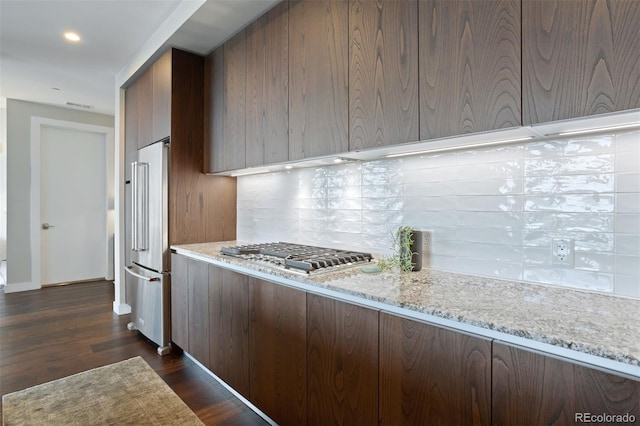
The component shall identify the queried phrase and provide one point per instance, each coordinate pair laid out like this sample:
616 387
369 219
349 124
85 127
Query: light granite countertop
601 325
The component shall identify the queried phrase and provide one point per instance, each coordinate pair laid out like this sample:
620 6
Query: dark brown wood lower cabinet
198 283
180 301
229 327
531 388
278 348
432 375
342 356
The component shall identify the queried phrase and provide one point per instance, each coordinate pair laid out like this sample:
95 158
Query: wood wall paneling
342 348
229 327
318 77
431 375
278 348
532 388
579 58
470 73
383 73
267 88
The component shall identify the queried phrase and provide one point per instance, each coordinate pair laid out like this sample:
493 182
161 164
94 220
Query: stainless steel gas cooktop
297 257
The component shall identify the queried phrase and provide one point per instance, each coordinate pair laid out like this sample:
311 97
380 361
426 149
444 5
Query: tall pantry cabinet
167 101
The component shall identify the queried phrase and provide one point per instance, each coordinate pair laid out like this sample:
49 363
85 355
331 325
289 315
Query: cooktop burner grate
298 257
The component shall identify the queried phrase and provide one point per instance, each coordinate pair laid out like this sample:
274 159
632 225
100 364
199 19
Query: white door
73 209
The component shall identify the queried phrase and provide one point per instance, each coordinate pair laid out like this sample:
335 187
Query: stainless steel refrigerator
148 277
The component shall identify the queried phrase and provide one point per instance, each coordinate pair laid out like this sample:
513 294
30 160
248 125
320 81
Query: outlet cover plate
562 251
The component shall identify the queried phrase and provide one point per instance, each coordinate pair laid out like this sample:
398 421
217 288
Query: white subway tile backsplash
628 244
627 285
628 182
572 203
628 265
572 222
628 203
490 203
492 211
571 146
628 142
570 184
574 165
627 224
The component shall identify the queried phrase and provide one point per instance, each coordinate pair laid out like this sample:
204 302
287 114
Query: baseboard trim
121 308
17 287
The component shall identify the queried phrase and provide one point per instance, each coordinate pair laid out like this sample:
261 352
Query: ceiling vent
76 105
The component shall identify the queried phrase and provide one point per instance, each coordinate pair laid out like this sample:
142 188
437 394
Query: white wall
3 178
19 115
493 211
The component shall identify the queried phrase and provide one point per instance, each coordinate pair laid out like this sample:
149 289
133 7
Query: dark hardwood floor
59 331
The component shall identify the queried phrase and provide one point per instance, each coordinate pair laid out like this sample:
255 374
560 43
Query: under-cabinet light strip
453 148
598 129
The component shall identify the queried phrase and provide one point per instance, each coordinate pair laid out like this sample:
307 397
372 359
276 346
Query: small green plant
402 254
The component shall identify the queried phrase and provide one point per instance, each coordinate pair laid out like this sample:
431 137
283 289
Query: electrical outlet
562 251
426 241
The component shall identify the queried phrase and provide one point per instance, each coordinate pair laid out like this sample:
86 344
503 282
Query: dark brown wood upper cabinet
580 58
130 129
431 375
161 105
531 388
383 73
318 77
144 89
470 74
267 88
235 71
225 107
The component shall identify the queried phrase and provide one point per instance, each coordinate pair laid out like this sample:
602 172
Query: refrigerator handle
134 206
129 269
140 205
144 208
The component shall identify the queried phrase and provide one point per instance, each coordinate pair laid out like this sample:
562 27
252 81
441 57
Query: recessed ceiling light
71 36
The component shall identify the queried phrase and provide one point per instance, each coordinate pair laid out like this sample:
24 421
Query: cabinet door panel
229 327
130 129
214 111
470 73
145 108
180 301
318 77
268 88
431 375
579 58
342 356
278 345
235 63
199 311
383 73
161 71
531 388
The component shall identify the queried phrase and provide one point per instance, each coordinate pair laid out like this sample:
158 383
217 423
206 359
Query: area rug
124 393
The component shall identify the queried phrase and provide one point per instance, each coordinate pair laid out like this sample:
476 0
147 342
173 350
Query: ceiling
117 37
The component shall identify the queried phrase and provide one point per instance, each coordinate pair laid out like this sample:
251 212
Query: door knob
47 226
